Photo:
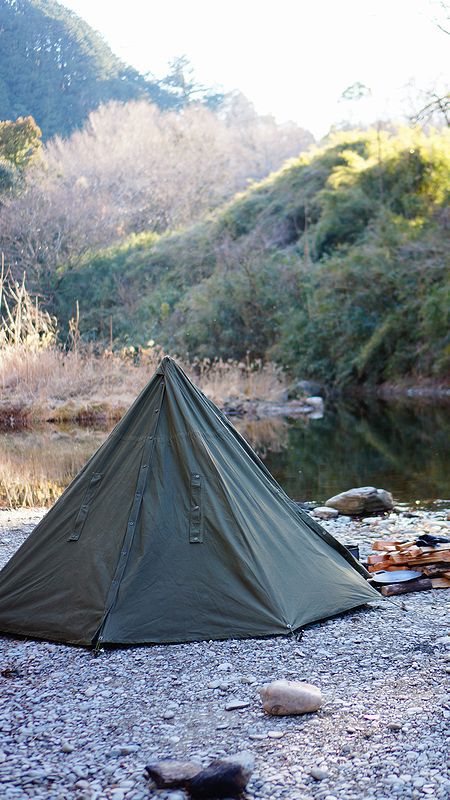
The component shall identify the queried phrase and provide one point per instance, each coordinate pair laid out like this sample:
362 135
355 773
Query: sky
291 58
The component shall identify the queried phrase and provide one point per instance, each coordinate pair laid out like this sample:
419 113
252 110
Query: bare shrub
134 168
41 380
223 380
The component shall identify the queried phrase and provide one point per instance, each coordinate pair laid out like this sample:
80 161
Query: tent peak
165 363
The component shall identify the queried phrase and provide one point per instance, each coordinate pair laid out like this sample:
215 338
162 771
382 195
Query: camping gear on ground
404 567
175 531
396 576
429 540
407 587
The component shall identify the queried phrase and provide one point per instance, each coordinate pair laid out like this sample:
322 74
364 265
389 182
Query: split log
387 544
378 559
440 583
430 558
403 556
418 585
405 545
436 571
382 565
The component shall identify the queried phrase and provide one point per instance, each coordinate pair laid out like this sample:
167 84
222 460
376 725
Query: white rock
325 512
234 705
290 697
316 402
319 774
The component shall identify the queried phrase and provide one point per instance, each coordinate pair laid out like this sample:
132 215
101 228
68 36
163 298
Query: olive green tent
175 531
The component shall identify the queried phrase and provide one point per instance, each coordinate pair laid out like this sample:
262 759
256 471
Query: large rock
364 500
225 777
290 697
169 774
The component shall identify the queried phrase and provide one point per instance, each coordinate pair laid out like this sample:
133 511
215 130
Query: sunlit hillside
336 266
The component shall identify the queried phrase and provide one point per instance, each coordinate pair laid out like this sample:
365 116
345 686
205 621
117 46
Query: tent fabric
175 531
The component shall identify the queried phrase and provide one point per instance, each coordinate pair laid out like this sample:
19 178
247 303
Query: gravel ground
75 726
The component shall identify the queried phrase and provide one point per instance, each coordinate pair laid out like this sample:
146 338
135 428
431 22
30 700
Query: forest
170 213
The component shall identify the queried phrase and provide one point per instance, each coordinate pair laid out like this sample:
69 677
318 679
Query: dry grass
50 384
42 381
230 380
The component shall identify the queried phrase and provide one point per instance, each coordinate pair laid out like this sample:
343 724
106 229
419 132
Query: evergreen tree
56 68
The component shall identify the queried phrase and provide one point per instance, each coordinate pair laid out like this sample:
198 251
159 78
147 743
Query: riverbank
82 387
74 726
426 390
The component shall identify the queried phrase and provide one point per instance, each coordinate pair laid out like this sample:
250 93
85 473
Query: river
399 446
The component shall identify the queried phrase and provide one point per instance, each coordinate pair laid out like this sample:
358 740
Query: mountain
56 68
335 266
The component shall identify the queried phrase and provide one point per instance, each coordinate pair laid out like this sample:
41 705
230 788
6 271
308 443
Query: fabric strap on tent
196 510
89 495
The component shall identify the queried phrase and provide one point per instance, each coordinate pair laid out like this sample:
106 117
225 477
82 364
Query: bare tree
436 103
133 168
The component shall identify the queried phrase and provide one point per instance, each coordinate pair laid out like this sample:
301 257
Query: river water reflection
401 446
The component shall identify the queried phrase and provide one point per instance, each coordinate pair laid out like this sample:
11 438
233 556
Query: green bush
336 267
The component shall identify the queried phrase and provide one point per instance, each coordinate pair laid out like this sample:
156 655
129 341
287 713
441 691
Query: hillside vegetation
335 266
132 168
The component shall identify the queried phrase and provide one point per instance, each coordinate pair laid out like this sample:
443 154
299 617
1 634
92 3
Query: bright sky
292 58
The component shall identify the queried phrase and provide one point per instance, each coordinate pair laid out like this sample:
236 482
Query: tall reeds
41 380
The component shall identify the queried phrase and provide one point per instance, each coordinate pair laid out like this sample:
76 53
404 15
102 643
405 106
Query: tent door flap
196 510
88 496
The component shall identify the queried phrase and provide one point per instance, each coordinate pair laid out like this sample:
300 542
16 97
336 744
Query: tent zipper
144 468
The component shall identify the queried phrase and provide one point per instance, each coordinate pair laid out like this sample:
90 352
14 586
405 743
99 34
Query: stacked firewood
433 563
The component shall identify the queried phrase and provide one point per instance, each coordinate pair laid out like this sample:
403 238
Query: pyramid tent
175 531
